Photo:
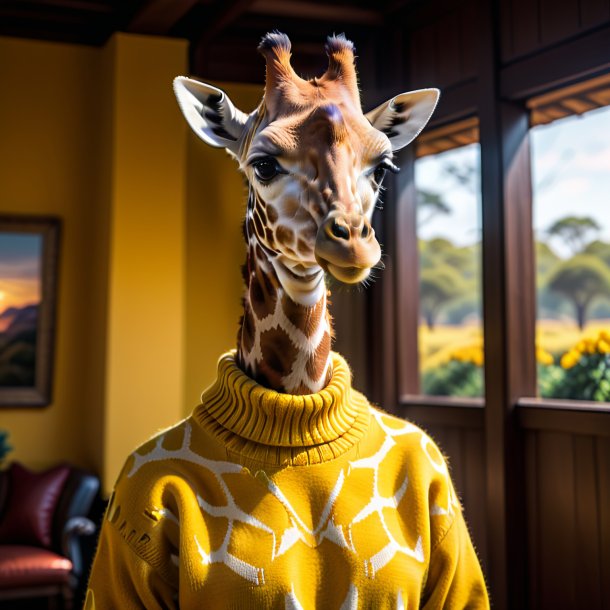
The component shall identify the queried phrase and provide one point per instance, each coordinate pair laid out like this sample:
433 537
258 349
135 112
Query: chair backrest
75 501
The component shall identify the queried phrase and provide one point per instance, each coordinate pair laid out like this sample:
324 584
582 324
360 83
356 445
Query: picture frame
29 256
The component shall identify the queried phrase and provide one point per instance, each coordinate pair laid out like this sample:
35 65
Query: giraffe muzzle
346 247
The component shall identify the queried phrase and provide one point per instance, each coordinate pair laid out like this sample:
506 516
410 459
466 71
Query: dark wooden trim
572 421
554 404
441 401
568 62
230 12
303 9
508 314
407 275
443 415
457 102
383 306
159 16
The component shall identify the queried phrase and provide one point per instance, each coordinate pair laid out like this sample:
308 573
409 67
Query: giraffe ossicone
314 164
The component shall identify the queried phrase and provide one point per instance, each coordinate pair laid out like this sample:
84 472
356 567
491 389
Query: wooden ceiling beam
230 12
72 5
159 16
302 9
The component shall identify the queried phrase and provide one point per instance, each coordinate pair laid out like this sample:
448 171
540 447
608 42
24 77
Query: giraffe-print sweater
268 500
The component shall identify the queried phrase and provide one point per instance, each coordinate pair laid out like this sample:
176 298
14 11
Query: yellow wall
145 347
49 162
94 136
216 204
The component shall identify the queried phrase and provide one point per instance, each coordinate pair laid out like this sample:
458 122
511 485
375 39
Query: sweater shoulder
410 449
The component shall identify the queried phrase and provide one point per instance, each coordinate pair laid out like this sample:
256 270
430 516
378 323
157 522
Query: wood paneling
594 12
443 53
528 26
567 511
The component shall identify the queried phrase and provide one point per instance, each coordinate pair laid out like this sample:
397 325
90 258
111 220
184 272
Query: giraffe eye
379 173
267 169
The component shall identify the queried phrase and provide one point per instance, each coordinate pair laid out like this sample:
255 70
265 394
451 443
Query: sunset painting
29 254
20 297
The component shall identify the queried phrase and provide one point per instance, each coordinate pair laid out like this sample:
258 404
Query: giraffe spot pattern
263 296
291 206
247 329
272 214
279 354
306 318
270 237
315 364
284 235
303 247
258 224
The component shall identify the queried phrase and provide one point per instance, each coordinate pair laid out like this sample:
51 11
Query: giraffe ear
404 116
210 113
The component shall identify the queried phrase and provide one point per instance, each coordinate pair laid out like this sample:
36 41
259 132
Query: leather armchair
50 567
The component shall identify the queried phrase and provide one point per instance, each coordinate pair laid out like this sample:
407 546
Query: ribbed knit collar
274 428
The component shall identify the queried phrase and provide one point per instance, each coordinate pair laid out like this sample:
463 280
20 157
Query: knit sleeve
120 578
455 580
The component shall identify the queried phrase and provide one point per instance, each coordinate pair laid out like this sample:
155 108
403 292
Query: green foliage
429 205
438 286
589 379
574 230
5 448
580 280
454 378
550 377
546 259
600 249
464 306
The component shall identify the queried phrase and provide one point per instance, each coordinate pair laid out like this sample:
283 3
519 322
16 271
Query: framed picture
28 291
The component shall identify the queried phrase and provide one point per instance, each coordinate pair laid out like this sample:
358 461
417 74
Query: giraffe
314 163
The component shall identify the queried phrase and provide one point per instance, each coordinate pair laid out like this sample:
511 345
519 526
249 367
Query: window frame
498 95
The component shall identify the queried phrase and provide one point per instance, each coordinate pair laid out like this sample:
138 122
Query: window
447 181
571 208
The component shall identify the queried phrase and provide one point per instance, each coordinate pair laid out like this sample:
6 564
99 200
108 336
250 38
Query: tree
429 205
550 305
574 230
438 287
580 280
600 249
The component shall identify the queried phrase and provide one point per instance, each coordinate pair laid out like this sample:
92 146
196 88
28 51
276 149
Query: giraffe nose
346 247
348 228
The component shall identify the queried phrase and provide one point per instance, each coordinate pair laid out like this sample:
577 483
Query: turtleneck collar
278 429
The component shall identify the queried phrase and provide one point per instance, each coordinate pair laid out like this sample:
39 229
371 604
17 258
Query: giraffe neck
283 345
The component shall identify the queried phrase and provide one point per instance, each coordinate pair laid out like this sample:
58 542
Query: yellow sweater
268 500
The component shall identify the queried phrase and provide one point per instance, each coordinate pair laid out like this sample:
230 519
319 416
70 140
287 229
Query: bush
584 373
454 378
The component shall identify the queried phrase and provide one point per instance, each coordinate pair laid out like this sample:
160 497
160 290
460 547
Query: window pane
449 239
571 186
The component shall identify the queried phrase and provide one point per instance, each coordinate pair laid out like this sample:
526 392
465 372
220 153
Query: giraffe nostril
365 231
339 230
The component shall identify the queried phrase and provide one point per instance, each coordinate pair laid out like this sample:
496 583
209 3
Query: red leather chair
42 516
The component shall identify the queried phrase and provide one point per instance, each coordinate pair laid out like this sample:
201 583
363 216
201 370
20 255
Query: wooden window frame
498 97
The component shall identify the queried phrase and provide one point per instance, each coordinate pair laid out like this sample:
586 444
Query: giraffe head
314 162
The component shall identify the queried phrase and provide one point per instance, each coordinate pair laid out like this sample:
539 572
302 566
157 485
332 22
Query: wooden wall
528 26
533 476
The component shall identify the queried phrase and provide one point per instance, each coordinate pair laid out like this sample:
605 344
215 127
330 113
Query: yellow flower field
554 338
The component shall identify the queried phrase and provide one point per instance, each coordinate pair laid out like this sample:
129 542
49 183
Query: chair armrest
75 527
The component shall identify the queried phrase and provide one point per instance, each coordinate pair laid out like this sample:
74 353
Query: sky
570 176
19 269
